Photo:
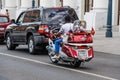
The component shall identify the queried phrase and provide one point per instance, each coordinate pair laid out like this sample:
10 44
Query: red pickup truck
4 22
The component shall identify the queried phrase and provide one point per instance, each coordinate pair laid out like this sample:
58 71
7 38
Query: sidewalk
107 45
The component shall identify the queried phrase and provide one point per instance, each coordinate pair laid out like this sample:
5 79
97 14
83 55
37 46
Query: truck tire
31 45
9 44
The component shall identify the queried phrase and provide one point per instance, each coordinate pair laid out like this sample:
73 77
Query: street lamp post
109 20
33 3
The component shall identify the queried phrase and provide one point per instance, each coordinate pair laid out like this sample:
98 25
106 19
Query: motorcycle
78 48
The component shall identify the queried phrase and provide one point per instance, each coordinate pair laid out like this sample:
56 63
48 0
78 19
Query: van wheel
9 44
31 45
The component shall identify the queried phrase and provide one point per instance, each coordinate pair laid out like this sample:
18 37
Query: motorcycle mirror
92 31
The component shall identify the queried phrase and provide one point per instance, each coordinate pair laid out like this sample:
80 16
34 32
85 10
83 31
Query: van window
32 16
20 18
27 17
35 17
3 19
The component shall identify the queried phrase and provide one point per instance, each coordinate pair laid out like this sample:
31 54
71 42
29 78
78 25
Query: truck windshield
55 15
3 19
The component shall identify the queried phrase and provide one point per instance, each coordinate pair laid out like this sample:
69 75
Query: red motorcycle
78 49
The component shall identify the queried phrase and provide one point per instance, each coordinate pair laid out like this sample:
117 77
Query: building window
88 5
0 4
20 3
38 3
119 12
59 2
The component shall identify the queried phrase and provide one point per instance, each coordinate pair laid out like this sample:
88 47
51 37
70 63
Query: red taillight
82 47
89 39
43 29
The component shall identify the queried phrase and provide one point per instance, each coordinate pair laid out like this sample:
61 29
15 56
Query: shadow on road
67 65
25 50
3 43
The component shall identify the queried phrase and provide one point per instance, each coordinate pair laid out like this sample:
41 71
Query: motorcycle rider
82 25
79 25
68 26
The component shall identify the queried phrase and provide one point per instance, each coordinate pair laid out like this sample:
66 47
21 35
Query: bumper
40 40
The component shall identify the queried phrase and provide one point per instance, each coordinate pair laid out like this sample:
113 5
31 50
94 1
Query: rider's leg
57 46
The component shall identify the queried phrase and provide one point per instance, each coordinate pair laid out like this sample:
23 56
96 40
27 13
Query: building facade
93 11
16 6
0 4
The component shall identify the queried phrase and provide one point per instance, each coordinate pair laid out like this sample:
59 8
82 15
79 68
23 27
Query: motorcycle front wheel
51 54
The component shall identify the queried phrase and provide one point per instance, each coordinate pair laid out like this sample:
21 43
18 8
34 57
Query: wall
10 5
46 3
98 16
115 12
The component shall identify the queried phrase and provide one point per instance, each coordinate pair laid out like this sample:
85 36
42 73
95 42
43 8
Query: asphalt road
20 65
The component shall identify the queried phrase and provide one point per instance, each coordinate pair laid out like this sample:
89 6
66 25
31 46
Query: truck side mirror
12 20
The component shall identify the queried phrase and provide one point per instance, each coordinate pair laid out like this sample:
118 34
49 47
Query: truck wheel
9 44
31 45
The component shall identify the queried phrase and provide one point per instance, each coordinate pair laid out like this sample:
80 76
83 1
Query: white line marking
36 61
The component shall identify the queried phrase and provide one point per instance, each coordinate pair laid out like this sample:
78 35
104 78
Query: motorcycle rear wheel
75 63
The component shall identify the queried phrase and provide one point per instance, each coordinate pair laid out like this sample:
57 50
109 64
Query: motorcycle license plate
82 54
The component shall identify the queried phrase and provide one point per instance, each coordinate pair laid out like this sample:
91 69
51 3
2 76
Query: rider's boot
56 56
